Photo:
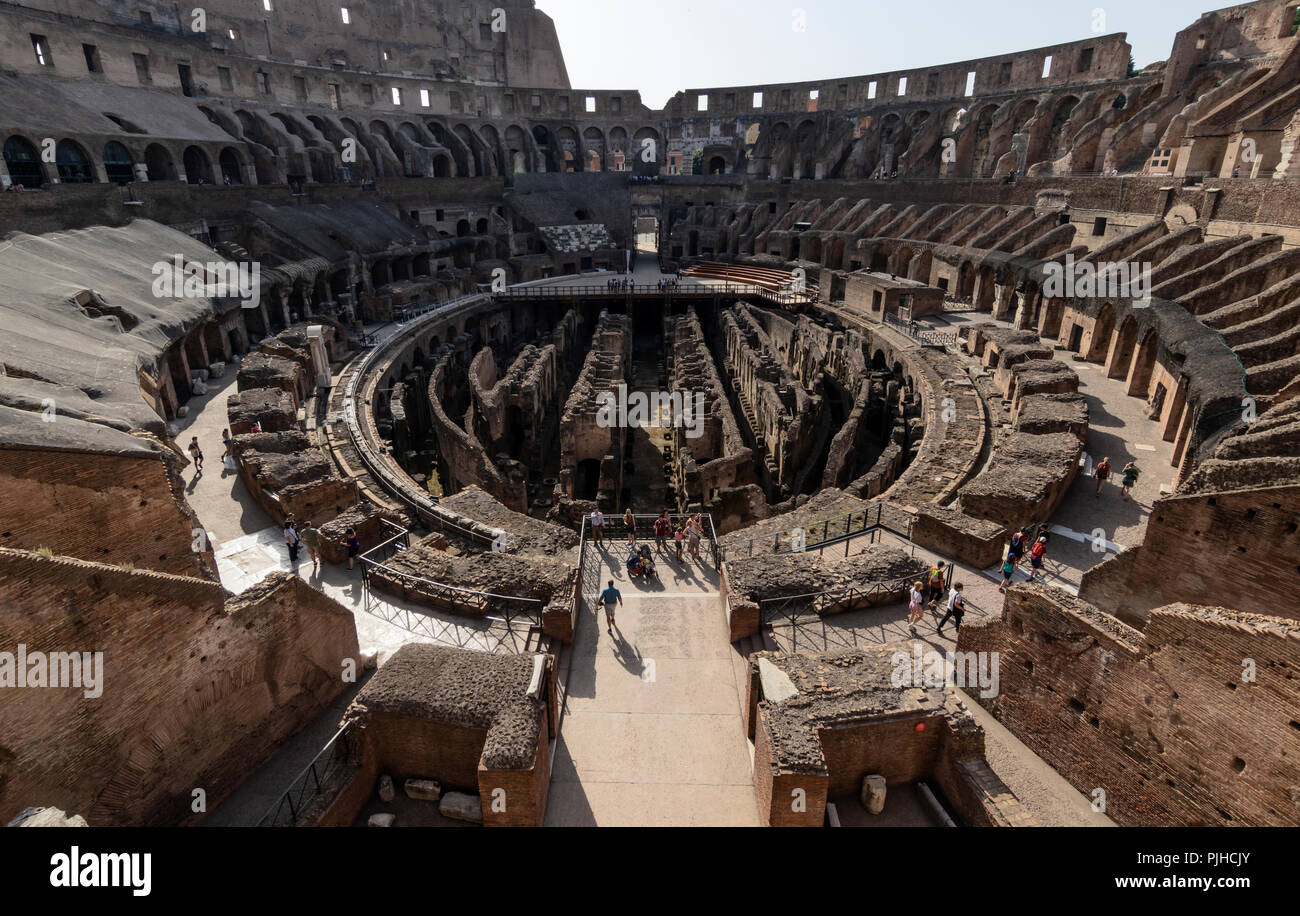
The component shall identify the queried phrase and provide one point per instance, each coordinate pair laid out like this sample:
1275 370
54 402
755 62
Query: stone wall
125 509
1190 722
199 687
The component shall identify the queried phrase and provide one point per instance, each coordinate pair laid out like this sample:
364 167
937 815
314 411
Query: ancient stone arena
392 434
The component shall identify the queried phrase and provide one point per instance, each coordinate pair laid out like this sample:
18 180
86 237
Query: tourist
1129 477
647 561
1008 569
610 597
1036 554
956 609
1016 549
597 526
914 606
629 522
633 564
663 528
694 531
311 537
197 454
1102 474
292 539
228 455
938 574
679 535
353 544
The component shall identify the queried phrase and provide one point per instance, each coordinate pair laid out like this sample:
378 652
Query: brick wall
1239 550
199 687
111 509
1161 720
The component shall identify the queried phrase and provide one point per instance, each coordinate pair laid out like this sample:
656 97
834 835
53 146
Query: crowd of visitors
684 536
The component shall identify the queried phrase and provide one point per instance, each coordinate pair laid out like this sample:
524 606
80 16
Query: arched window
73 164
23 162
198 168
230 170
118 163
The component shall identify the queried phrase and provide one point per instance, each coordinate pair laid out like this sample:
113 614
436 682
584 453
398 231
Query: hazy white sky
663 46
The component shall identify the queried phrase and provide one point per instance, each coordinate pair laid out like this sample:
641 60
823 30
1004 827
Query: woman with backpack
1036 554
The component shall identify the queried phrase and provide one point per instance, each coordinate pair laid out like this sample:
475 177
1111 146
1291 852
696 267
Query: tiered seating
766 278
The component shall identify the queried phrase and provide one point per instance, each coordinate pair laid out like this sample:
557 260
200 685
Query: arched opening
159 163
73 163
118 165
1099 345
1122 353
198 168
1140 379
23 162
230 171
717 165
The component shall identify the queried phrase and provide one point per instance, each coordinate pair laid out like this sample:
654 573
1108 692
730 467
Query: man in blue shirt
610 597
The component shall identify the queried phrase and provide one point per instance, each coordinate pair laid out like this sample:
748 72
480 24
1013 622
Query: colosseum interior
340 346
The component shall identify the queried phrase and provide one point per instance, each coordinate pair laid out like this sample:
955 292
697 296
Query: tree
697 162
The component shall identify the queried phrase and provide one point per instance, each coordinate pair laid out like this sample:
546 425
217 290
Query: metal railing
797 608
924 335
591 563
651 290
480 604
339 754
819 535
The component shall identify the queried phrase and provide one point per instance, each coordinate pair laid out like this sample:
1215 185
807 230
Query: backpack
936 576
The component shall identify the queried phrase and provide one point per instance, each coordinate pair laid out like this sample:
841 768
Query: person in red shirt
663 528
1103 474
1036 554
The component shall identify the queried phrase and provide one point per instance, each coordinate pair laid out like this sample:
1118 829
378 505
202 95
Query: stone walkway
1118 428
652 733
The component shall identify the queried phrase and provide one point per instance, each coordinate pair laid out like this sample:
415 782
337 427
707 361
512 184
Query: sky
663 46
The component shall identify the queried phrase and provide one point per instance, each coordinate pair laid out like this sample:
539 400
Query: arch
618 149
646 157
228 162
571 158
198 167
1121 355
158 161
1099 344
73 163
717 166
593 146
23 162
118 164
516 147
1139 379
